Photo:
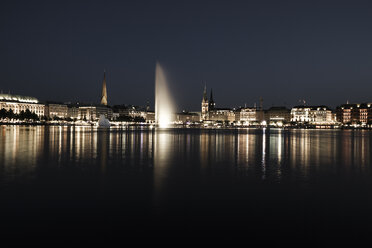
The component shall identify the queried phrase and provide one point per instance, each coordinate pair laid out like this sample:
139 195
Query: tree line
28 115
23 115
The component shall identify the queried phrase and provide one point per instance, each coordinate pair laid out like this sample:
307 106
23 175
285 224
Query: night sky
281 50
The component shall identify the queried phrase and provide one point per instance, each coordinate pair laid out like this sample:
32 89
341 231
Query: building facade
312 115
246 116
187 117
222 115
360 113
204 106
92 113
18 103
73 112
277 115
301 114
322 115
55 110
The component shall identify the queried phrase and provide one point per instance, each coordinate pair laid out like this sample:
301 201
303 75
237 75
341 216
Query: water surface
267 184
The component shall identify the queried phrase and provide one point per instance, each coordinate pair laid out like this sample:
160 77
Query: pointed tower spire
204 104
104 90
211 102
205 98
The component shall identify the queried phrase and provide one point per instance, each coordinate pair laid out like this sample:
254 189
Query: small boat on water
103 121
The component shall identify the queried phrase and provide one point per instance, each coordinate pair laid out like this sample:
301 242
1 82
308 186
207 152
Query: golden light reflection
263 161
163 150
274 154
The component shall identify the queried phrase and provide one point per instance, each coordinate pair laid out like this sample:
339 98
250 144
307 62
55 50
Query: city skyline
284 52
213 121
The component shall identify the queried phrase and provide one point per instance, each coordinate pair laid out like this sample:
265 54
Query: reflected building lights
303 152
280 148
263 161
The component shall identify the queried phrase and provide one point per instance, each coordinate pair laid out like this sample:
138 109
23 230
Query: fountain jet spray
164 106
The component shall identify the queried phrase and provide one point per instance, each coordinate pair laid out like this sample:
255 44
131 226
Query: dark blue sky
281 50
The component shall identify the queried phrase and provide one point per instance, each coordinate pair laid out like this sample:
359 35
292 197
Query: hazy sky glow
281 50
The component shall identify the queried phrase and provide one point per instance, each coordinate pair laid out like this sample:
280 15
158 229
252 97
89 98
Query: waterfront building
188 117
18 103
133 111
363 113
246 116
73 111
150 117
260 114
320 115
210 113
343 113
360 113
278 115
301 114
56 110
222 115
92 113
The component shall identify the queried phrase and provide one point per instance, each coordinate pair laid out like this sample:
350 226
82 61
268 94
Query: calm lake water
267 184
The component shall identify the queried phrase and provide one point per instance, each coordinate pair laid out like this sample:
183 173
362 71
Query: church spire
211 102
204 105
104 90
205 98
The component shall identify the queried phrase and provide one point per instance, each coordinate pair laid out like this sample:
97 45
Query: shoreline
186 126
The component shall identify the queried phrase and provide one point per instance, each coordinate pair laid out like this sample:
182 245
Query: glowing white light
164 120
163 100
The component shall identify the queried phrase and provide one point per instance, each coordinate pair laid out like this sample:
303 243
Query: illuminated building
360 113
18 103
209 112
312 115
343 113
187 117
278 115
204 105
260 114
135 112
222 114
246 116
150 117
322 115
301 114
132 111
92 113
55 110
73 111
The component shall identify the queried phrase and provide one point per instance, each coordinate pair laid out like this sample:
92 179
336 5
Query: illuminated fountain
164 109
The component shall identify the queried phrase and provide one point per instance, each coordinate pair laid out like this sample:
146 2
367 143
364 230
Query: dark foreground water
152 185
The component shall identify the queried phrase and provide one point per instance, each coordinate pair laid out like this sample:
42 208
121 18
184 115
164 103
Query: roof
18 98
355 105
311 107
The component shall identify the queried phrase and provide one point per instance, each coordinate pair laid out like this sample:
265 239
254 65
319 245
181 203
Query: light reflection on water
268 154
185 181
